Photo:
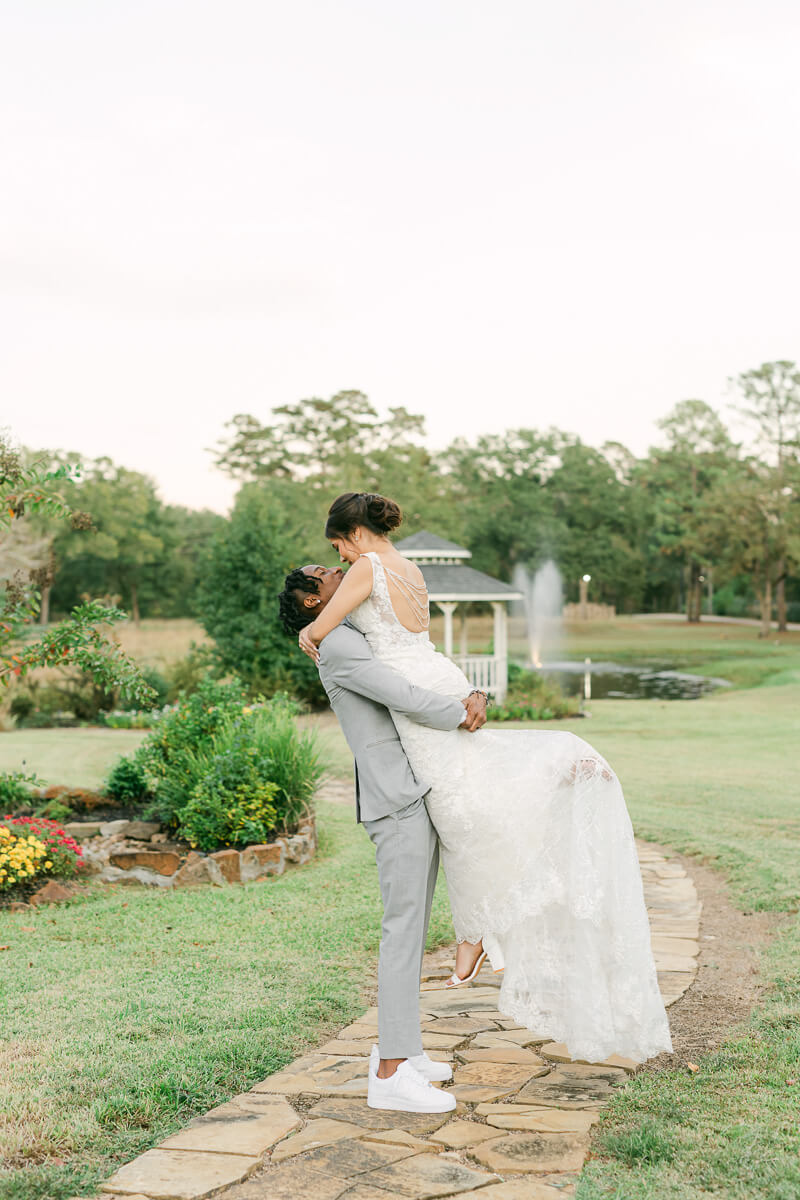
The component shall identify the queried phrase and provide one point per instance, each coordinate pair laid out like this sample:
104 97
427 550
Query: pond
615 681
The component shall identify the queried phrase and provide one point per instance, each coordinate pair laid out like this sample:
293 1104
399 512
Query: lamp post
584 586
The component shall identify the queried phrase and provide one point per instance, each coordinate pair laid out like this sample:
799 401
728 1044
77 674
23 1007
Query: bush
186 674
174 756
54 810
15 789
126 782
256 776
153 677
291 758
32 847
530 697
231 805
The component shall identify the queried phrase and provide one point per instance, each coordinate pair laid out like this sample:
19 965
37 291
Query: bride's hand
308 646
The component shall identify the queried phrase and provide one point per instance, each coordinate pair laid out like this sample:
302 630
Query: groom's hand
475 716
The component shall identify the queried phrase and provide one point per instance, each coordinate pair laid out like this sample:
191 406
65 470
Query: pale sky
497 214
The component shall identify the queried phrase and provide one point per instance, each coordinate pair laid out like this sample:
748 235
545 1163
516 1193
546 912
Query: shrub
291 757
32 847
15 789
153 677
126 782
530 697
186 674
231 805
173 757
54 810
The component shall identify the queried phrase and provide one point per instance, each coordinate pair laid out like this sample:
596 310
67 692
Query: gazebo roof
446 574
457 582
424 545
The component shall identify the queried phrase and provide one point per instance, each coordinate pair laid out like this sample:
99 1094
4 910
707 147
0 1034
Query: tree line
699 511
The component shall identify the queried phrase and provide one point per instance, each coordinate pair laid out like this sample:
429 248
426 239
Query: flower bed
33 849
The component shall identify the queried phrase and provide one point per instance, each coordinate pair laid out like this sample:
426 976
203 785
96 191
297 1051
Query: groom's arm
346 661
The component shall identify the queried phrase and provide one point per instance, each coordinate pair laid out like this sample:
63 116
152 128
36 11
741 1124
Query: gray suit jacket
361 689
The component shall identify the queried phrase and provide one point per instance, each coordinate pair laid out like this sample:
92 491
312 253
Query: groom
390 802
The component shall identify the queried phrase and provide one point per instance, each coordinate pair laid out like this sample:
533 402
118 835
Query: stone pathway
520 1131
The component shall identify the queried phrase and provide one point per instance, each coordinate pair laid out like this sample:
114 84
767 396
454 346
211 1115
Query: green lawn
141 1010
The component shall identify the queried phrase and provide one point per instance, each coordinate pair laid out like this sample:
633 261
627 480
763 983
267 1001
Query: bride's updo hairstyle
366 509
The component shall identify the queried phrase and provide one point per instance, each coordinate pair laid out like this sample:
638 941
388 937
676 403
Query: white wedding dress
540 861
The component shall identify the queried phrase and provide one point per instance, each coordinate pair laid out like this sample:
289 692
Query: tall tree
744 518
770 403
698 452
238 597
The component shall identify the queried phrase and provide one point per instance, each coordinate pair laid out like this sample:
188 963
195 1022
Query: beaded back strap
417 596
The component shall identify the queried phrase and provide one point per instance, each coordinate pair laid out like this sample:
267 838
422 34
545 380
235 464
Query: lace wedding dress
538 852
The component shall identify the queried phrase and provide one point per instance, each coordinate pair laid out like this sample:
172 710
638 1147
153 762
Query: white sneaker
407 1091
435 1072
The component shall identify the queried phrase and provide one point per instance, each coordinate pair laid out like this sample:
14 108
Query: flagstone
459 1027
457 1134
316 1133
428 1175
505 1075
505 1037
524 1188
515 1055
399 1137
472 1093
237 1129
456 1000
674 962
573 1085
353 1157
541 1120
289 1181
342 1109
323 1074
522 1152
365 1191
358 1031
179 1174
558 1052
667 944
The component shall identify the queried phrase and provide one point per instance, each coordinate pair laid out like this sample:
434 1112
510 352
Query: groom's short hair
293 613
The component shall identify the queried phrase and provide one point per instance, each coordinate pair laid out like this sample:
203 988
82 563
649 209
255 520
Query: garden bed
140 852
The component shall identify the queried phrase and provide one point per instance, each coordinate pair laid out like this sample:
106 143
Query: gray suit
390 803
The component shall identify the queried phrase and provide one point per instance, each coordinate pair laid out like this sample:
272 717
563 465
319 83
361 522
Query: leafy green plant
186 674
158 684
232 803
15 789
80 640
54 810
174 755
126 782
530 697
291 757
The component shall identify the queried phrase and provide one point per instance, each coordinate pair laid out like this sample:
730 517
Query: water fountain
542 604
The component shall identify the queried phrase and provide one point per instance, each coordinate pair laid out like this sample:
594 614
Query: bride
536 841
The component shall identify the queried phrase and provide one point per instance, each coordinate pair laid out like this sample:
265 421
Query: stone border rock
138 852
520 1132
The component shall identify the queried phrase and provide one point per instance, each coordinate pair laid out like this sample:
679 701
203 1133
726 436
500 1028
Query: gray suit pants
407 854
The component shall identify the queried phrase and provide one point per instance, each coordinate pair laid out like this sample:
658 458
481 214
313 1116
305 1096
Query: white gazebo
452 583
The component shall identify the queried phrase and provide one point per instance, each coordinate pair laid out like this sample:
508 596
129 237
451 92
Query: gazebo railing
484 671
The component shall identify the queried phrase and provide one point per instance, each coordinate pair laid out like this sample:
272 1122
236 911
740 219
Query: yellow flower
48 863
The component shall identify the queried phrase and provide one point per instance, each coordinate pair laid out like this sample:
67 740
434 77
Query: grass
124 1028
128 1013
